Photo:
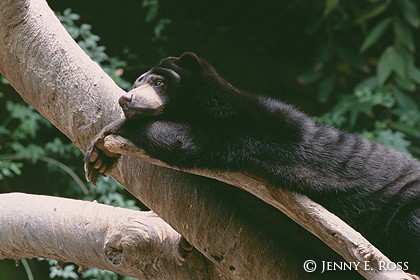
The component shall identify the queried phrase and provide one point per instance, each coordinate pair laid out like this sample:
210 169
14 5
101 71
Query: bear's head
171 88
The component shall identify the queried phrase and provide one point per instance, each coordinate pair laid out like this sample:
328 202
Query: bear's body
184 113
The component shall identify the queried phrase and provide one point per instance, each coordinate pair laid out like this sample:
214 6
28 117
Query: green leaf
372 12
399 64
384 68
406 128
325 89
414 73
6 172
405 84
404 100
3 80
404 34
16 167
330 5
410 12
389 61
376 33
367 84
392 139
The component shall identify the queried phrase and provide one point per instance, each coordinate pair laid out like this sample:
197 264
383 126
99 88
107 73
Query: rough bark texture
52 73
134 243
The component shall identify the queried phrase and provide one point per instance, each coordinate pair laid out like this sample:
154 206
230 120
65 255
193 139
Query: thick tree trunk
52 73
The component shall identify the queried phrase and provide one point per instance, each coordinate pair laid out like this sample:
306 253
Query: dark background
296 50
259 46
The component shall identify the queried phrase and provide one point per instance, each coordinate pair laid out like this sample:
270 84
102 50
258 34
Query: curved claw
184 250
98 162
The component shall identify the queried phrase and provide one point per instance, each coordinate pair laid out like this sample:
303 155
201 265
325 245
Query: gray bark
133 243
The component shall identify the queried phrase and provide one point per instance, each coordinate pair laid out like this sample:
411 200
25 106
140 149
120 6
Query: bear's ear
189 60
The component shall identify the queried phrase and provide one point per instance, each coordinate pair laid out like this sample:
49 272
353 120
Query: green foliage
69 271
376 33
16 132
373 79
373 10
18 135
29 121
108 191
9 168
103 274
89 42
152 11
66 272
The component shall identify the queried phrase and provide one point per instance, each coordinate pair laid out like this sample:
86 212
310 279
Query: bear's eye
157 83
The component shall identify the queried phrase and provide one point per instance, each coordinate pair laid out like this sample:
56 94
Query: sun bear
184 113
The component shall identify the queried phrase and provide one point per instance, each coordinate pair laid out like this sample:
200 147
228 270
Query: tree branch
43 63
134 243
316 219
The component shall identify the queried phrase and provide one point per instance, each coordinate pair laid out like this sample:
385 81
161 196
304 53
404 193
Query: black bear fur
203 121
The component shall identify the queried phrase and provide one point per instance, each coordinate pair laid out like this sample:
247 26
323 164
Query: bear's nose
125 100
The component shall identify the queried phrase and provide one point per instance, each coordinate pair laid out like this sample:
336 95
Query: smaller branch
52 161
27 269
128 242
343 239
69 171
